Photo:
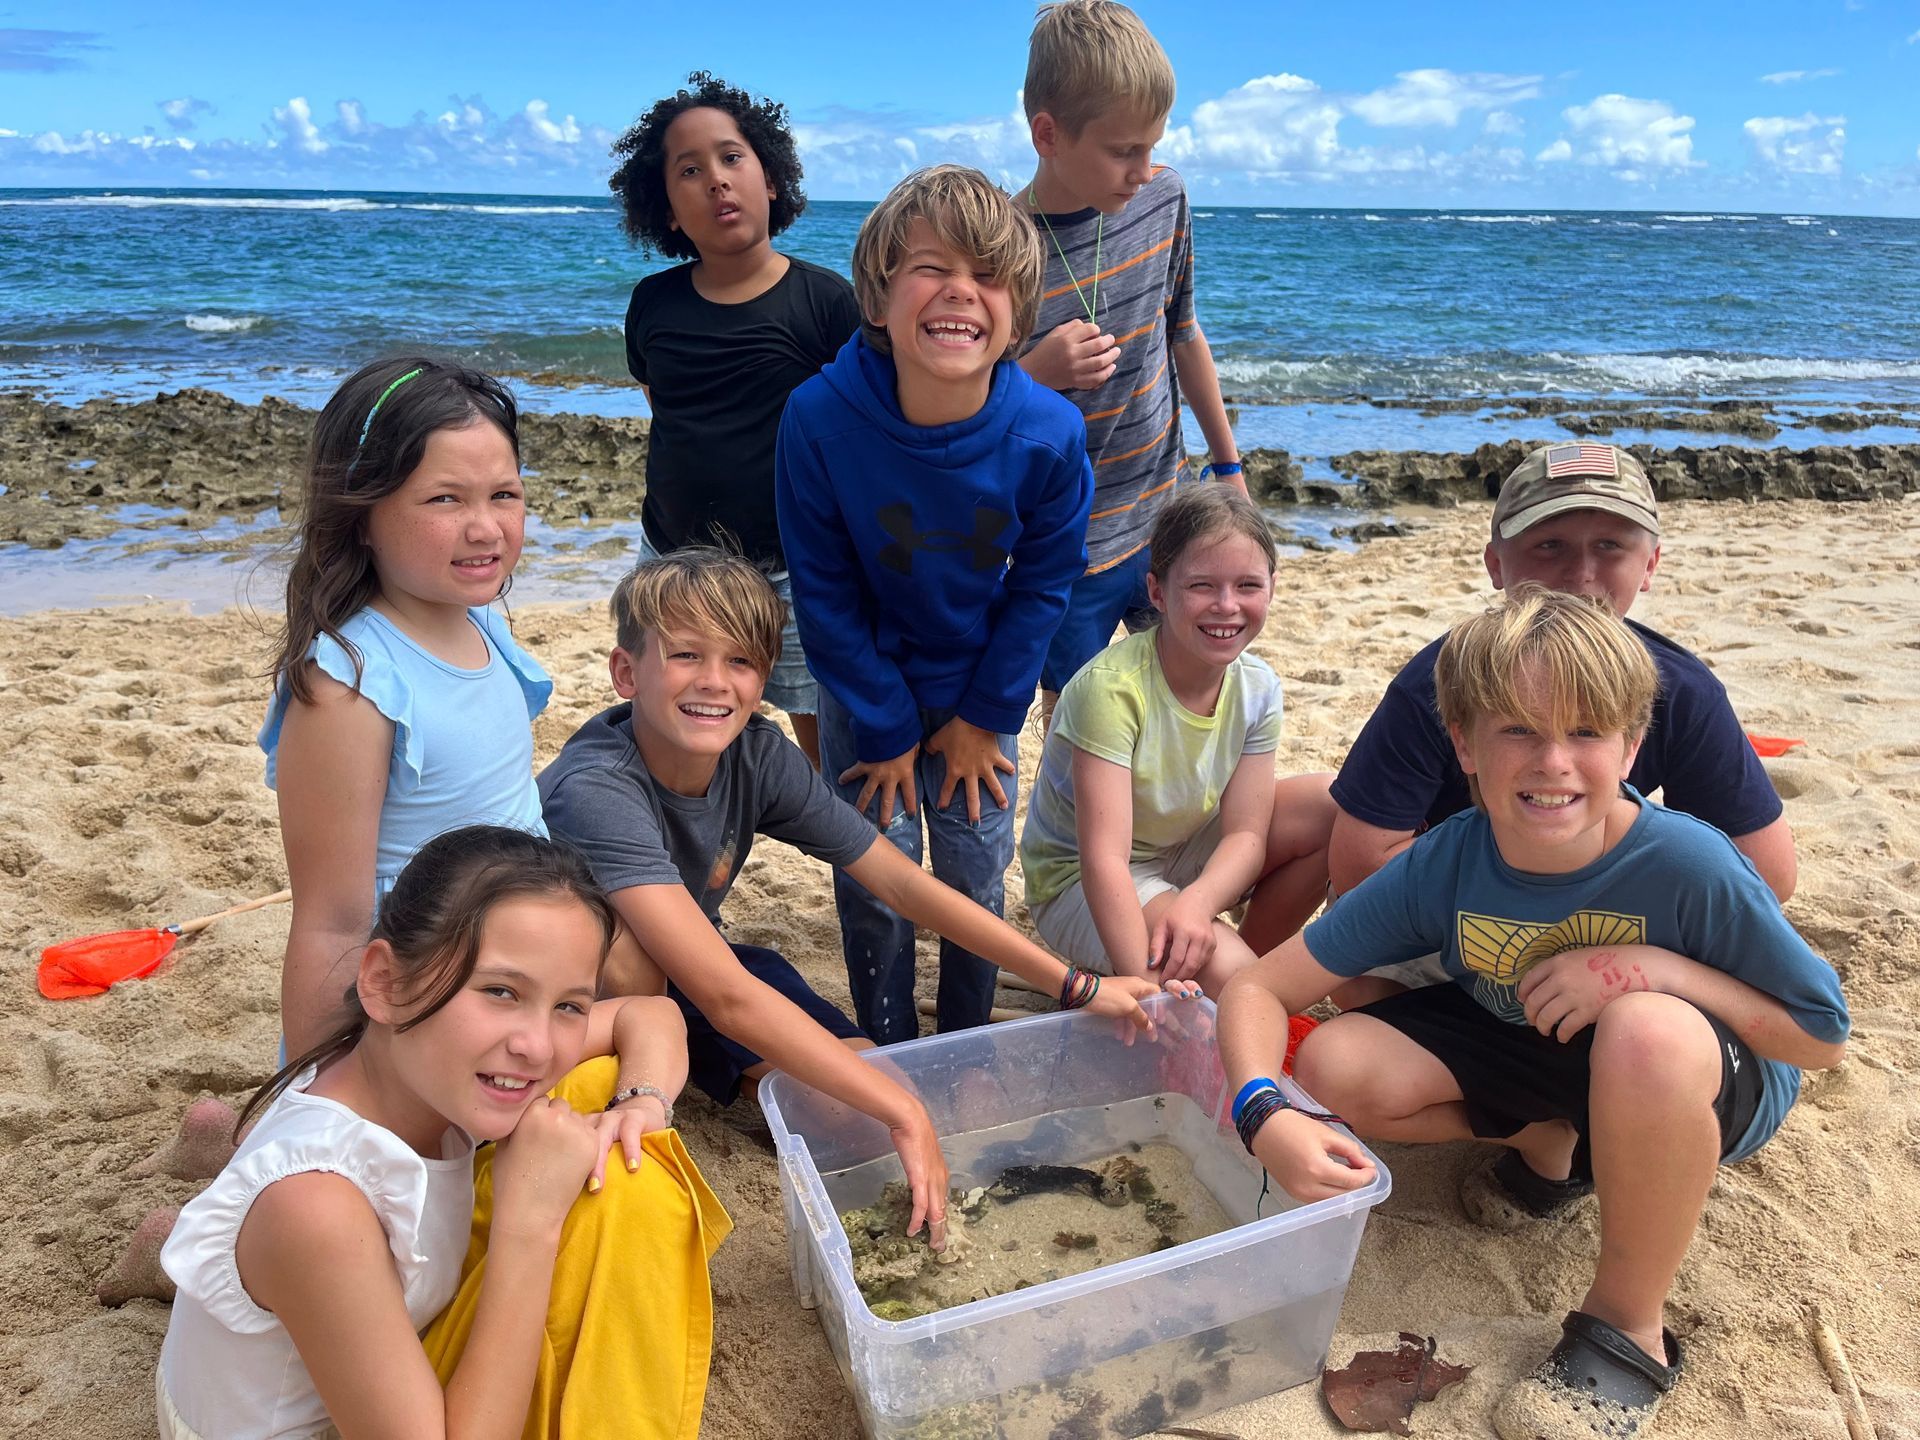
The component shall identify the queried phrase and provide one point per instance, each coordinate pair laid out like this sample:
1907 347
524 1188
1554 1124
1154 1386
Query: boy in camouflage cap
1580 518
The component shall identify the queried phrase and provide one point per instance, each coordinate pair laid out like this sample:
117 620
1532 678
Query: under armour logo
982 551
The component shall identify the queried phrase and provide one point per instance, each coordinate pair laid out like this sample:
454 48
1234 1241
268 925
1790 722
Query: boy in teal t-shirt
1631 1009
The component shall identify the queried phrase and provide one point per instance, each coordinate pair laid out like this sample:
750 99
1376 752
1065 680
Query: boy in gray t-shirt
664 795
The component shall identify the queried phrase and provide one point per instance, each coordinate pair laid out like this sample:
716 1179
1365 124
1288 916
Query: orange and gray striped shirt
1145 301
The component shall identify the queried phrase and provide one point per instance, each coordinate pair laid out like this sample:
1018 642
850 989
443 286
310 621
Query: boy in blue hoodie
933 507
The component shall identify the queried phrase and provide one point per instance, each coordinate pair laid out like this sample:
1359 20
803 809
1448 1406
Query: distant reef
67 469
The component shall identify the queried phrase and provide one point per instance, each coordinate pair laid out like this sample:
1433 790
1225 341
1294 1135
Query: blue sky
1809 105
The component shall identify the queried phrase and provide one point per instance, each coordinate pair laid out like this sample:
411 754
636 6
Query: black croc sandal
1596 1382
1508 1193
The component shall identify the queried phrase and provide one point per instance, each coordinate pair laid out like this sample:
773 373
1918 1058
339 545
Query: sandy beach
130 792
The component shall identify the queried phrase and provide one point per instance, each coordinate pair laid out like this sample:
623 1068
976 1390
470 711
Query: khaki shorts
1066 924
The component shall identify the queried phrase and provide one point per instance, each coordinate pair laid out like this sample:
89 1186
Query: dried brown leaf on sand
1377 1389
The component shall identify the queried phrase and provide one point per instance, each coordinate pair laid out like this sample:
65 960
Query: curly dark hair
641 181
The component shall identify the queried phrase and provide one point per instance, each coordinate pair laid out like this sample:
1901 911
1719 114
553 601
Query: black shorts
1511 1075
717 1063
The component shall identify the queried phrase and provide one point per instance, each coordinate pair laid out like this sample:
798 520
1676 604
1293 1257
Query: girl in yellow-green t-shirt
1156 807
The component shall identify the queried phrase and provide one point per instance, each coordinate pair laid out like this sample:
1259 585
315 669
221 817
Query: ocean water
1312 313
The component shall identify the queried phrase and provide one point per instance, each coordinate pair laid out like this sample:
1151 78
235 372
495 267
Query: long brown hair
433 917
368 440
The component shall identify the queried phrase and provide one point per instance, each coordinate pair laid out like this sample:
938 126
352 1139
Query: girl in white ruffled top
340 1229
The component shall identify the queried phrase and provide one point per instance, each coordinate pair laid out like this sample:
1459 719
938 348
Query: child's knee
1656 1043
1231 955
1303 816
1336 1066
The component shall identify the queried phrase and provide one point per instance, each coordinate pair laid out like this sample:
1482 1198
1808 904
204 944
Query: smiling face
1105 165
692 695
715 183
1547 791
1214 599
948 321
1581 552
451 534
515 1027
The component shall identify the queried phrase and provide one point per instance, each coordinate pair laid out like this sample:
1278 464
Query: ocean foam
203 202
1501 219
338 204
222 324
505 209
1683 374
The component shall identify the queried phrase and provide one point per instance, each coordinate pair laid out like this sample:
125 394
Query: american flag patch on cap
1581 460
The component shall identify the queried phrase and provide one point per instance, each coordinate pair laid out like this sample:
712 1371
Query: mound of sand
130 793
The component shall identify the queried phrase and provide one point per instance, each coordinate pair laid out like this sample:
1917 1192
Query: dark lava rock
1720 472
199 451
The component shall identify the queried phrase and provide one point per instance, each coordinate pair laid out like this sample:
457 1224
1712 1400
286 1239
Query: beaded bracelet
636 1092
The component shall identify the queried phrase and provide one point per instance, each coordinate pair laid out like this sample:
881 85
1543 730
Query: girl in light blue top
401 704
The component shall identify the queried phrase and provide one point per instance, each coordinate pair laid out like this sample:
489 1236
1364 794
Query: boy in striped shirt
1117 332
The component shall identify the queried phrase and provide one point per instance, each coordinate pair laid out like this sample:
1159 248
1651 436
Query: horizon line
608 201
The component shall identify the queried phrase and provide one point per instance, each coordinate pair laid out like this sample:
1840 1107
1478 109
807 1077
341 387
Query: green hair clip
368 427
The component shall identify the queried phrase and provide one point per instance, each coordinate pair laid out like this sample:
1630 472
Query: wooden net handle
194 927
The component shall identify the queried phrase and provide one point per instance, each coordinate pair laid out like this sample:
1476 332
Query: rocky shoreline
1719 472
68 470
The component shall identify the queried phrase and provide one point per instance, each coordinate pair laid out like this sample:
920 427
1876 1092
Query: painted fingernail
632 1165
593 1185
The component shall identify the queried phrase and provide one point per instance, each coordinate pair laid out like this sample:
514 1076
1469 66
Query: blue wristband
1247 1091
1231 467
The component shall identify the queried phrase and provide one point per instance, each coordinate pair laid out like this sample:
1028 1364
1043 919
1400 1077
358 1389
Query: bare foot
137 1273
202 1147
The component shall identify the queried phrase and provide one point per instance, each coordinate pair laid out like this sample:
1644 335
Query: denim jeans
971 858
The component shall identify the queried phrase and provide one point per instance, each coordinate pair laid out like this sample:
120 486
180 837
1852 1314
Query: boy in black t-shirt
711 176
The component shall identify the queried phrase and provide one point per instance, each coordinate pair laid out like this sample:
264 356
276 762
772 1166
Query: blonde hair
1585 666
1089 58
705 591
971 215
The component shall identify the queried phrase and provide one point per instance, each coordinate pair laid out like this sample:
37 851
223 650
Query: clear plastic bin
1134 1345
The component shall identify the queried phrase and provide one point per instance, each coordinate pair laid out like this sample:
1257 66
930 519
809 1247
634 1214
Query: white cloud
1558 151
865 152
1502 122
181 114
1808 145
1438 97
1272 125
1792 77
353 118
565 132
1626 135
87 142
296 119
1914 38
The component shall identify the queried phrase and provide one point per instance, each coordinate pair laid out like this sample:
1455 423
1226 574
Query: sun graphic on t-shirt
1498 952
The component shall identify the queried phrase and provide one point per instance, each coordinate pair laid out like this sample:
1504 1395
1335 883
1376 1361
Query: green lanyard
1090 297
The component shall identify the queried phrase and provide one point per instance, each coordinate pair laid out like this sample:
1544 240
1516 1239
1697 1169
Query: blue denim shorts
790 687
1095 606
